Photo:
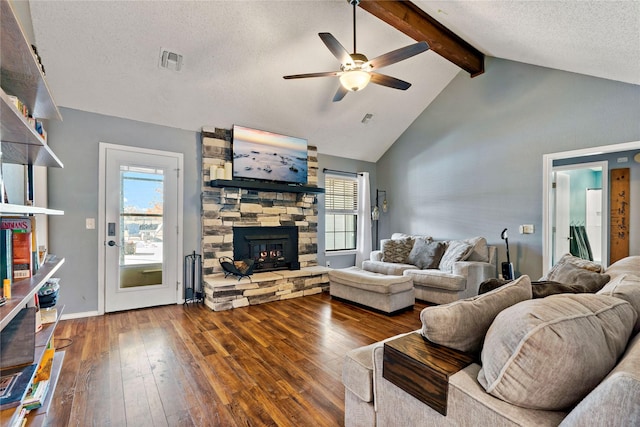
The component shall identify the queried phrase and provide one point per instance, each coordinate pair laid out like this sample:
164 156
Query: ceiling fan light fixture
355 80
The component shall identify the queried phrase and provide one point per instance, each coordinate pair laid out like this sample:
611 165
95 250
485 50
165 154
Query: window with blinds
341 213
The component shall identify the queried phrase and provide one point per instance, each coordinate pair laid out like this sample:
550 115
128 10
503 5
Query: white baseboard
79 315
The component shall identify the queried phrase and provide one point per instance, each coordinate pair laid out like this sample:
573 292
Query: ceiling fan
356 71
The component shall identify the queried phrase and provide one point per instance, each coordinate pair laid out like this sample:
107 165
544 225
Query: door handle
112 243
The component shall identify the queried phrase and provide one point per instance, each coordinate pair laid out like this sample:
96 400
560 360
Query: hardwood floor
275 364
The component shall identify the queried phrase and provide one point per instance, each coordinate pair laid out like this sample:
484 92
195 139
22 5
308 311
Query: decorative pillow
549 353
463 324
626 287
538 289
426 254
457 250
583 280
480 250
579 262
396 250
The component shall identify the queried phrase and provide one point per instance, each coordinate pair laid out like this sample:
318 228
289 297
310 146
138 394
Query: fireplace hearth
271 248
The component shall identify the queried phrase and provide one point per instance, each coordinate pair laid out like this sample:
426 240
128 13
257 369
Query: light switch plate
527 229
90 223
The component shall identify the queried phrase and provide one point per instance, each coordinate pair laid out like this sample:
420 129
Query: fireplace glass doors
271 248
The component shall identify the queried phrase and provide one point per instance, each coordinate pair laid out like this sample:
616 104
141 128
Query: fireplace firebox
271 248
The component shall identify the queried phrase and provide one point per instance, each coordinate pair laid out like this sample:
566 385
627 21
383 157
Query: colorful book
6 254
22 245
14 386
36 395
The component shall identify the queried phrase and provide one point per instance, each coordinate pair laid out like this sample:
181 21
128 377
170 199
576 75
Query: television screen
269 156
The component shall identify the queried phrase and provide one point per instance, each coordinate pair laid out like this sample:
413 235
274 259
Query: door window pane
141 225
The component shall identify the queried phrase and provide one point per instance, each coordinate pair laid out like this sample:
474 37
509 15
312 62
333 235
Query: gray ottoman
379 291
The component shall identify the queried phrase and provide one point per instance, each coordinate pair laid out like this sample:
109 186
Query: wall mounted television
268 156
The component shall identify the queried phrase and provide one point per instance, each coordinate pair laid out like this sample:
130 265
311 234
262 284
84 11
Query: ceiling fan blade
304 76
336 48
398 55
384 80
340 93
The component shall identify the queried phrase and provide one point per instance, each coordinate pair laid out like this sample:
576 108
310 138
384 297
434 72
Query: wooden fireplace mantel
264 186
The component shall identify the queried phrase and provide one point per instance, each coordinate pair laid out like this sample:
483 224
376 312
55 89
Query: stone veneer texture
225 208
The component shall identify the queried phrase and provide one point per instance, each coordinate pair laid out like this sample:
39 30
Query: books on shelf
22 245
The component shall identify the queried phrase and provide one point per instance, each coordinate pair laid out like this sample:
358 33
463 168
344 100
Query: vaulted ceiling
103 57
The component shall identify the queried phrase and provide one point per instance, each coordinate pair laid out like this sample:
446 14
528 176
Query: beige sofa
612 396
445 282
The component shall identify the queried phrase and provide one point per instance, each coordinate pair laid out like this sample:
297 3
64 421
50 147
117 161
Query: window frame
341 210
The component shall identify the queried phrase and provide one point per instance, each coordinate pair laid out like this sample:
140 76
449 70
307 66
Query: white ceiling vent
170 60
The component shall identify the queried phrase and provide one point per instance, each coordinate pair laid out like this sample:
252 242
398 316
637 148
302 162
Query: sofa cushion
630 264
581 279
615 402
574 260
457 250
626 287
396 250
437 279
396 236
549 353
390 268
480 250
463 324
426 254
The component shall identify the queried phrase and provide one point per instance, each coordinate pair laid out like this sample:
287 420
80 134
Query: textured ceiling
102 57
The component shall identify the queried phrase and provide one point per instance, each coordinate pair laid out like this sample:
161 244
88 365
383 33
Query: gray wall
471 163
346 165
74 189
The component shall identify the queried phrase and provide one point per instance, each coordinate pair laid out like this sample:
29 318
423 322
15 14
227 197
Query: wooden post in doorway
620 205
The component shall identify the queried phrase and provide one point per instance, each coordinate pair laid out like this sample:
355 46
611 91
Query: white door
141 234
562 234
594 222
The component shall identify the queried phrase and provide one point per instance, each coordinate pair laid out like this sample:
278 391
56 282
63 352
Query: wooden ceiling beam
417 24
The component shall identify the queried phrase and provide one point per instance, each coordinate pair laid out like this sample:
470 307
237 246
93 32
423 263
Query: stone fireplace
270 248
288 259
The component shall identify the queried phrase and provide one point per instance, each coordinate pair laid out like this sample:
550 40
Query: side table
422 368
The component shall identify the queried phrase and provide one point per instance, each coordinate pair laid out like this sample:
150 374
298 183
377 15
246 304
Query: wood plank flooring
275 364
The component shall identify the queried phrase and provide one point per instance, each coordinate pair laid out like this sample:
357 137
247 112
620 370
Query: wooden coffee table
422 368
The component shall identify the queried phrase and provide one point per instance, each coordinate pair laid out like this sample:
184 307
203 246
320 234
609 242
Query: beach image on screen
269 156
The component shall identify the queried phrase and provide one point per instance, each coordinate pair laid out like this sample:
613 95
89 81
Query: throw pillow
538 289
463 324
549 353
583 280
626 287
579 262
396 250
426 254
480 250
457 250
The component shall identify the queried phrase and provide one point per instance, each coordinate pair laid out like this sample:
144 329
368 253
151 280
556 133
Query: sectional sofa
565 359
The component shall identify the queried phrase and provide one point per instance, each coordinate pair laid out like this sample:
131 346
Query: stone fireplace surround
224 208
